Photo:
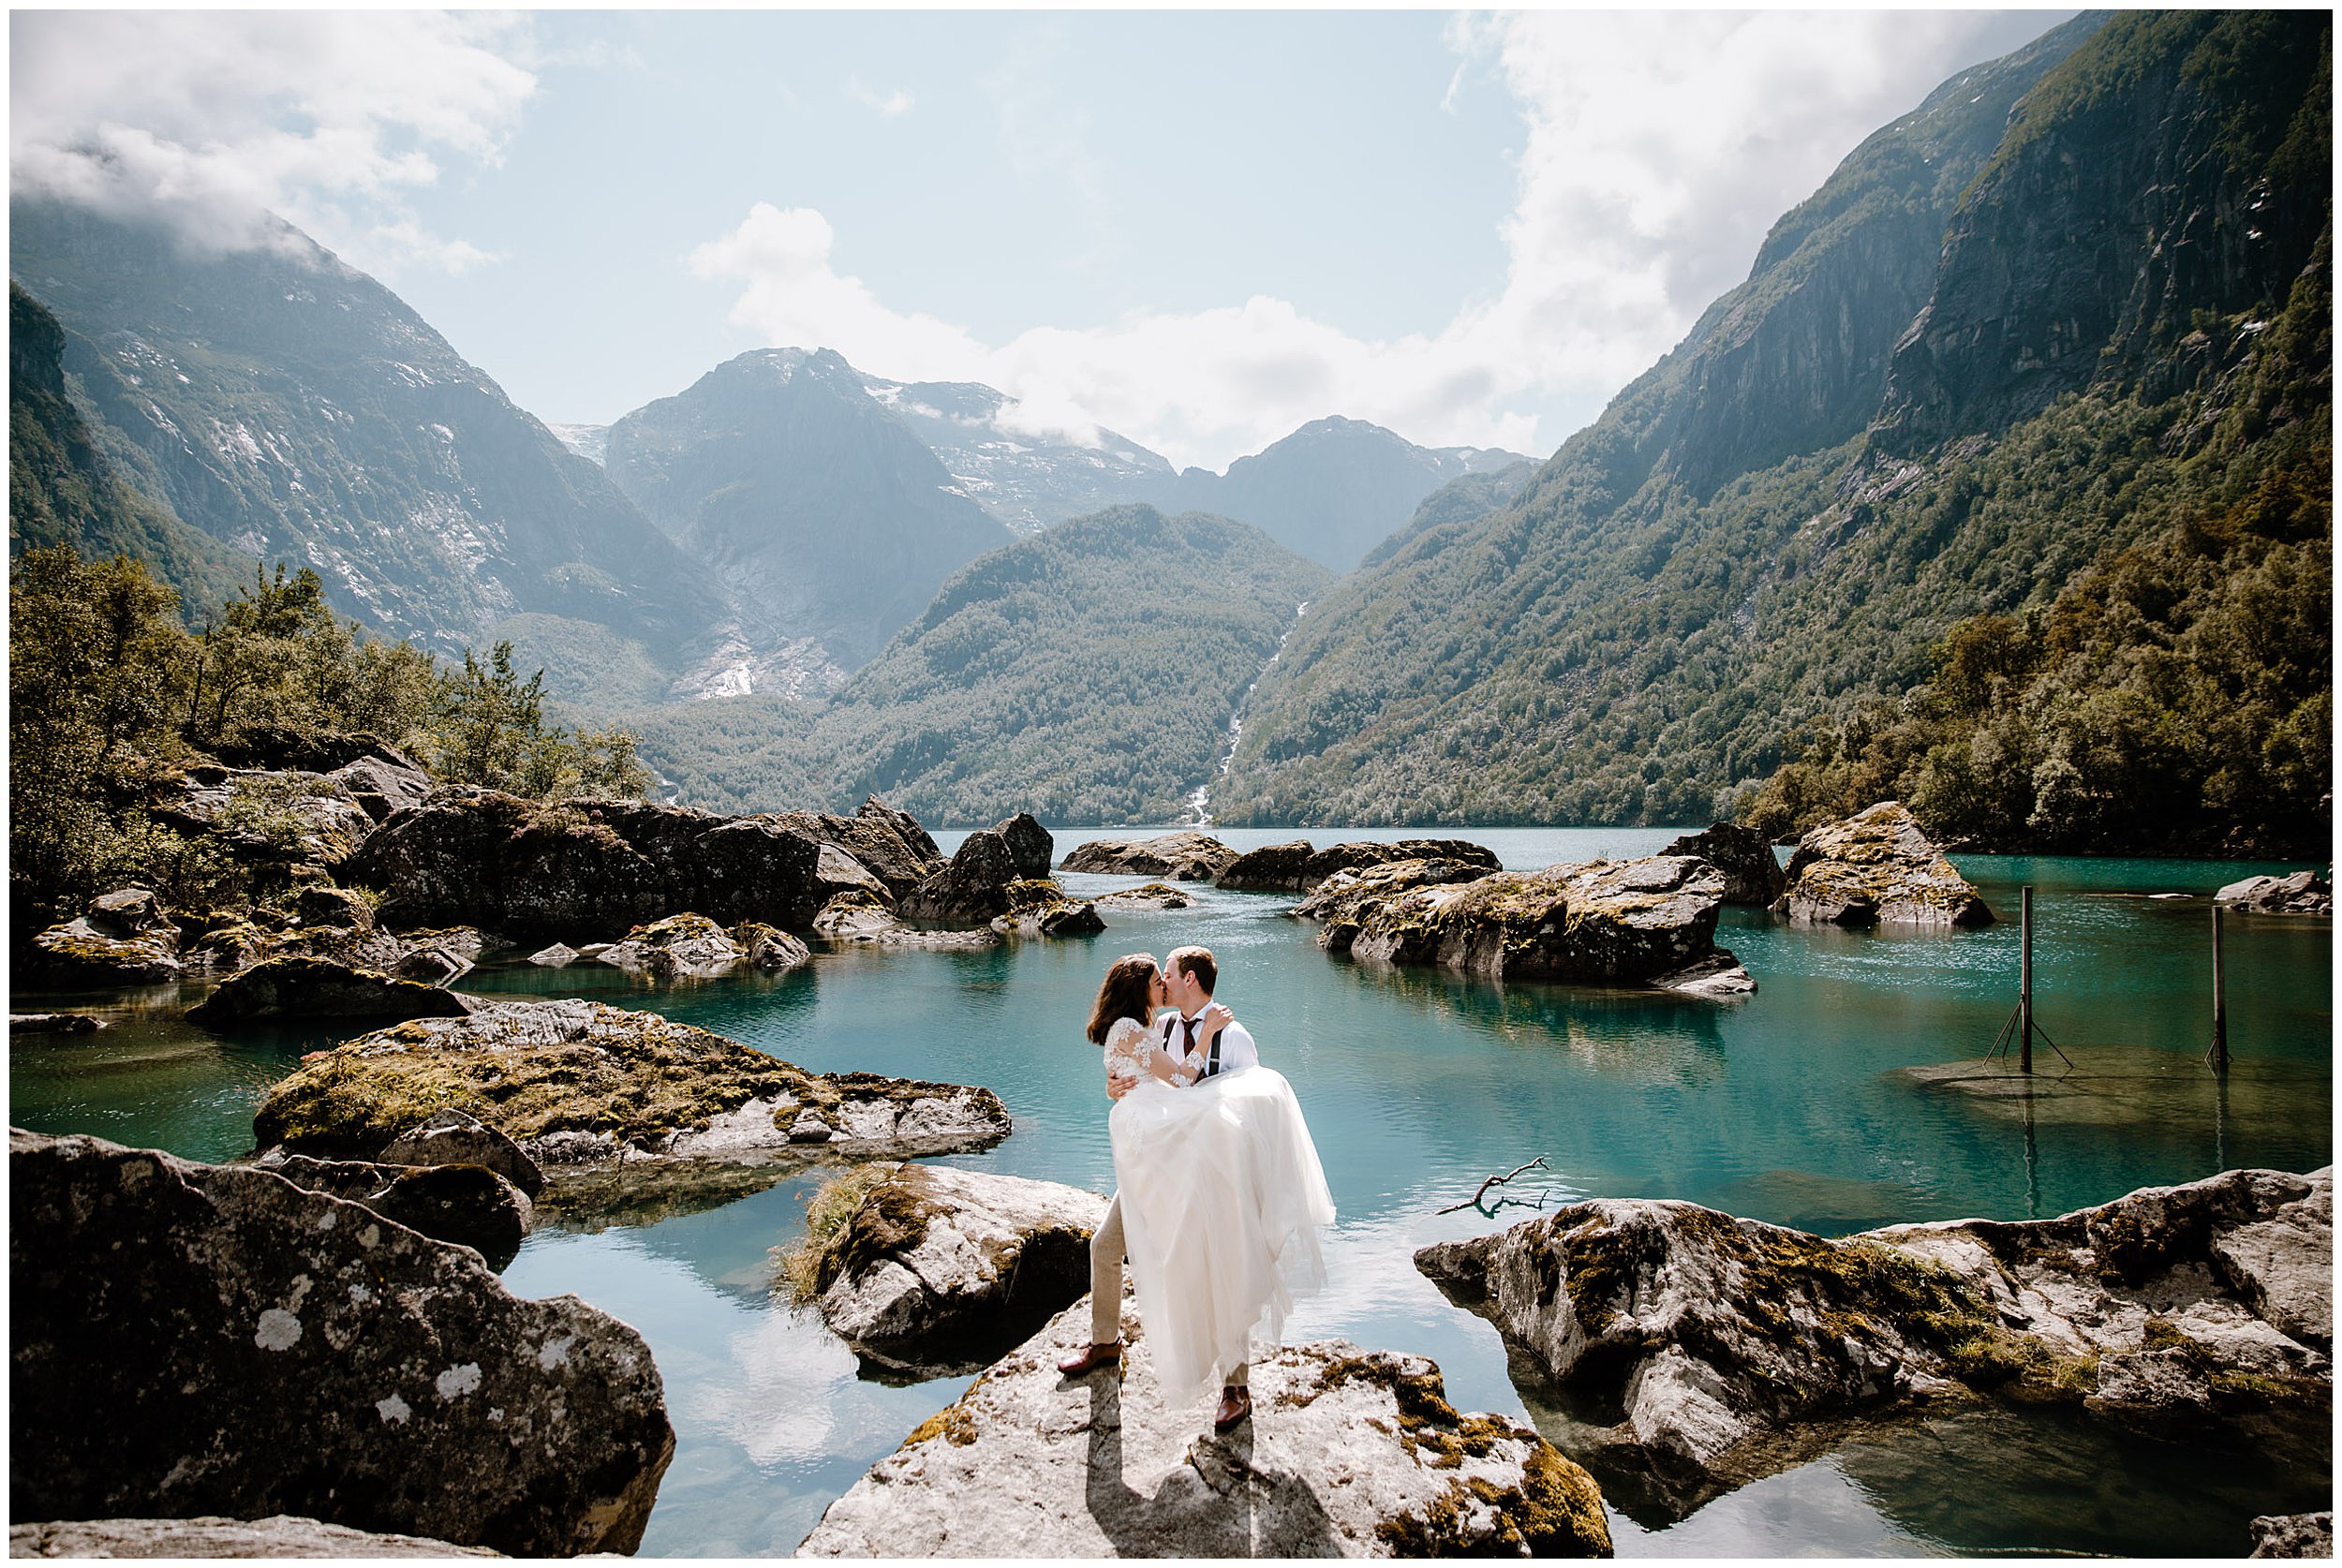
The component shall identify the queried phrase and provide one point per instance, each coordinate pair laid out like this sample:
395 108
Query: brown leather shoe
1091 1359
1235 1408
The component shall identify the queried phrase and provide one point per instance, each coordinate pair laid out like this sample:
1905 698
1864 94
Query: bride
1221 1193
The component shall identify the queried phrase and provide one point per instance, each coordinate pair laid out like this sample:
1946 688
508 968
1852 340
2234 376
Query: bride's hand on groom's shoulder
1215 1018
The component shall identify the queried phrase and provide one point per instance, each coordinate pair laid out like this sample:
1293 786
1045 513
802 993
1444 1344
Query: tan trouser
1105 1287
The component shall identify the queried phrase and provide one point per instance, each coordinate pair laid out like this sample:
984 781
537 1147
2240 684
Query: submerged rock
321 989
577 869
1153 895
1183 857
1877 868
577 1082
2303 893
936 1272
1349 1454
279 1535
1752 875
1632 923
204 1339
2175 1309
55 1023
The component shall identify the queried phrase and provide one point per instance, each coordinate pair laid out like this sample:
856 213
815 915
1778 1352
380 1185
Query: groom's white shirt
1236 1044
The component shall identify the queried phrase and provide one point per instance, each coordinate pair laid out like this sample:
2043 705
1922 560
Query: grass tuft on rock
802 1271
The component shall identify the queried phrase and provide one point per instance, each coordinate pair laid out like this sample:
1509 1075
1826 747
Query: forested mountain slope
1996 350
1085 674
292 408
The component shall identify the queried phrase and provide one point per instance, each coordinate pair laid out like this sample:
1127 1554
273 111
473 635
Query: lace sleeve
1125 1041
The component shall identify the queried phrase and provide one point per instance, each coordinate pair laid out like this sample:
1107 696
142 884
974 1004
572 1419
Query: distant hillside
2018 332
824 517
1085 674
291 407
62 491
1332 489
1027 482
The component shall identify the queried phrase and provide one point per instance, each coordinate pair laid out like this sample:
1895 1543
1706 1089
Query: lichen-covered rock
2303 893
939 1271
321 989
1029 844
468 1204
1619 923
576 868
453 1137
121 938
768 948
1349 1454
1752 874
1038 907
575 1082
1270 868
334 906
856 918
279 1535
1357 854
1153 895
1344 899
203 1340
1719 1338
1877 868
1183 857
279 818
973 887
680 947
877 840
2293 1535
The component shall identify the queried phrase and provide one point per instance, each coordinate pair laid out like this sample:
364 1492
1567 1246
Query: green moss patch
802 1271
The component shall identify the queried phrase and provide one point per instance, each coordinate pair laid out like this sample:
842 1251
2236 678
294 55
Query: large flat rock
279 1535
1349 1454
2188 1310
578 1082
1183 857
194 1339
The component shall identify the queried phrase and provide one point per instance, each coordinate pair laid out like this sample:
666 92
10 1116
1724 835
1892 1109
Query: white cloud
895 103
214 118
1659 149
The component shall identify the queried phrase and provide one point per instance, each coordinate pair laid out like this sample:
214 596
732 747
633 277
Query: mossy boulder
1183 857
1721 1342
1752 874
122 939
321 988
935 1272
1357 854
1877 868
1028 843
973 887
214 1341
1270 868
1151 895
680 947
1344 899
1613 923
575 870
1038 907
574 1082
1350 1453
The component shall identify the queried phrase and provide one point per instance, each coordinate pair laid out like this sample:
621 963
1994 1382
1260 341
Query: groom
1187 977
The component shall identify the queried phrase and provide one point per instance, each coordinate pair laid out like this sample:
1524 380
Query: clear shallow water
1789 1106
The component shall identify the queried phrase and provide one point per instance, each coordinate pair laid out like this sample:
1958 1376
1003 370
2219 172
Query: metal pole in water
2025 982
2219 997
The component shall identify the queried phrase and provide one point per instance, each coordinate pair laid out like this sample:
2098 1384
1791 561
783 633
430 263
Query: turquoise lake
1788 1107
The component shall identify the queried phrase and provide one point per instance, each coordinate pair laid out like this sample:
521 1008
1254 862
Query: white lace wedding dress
1222 1198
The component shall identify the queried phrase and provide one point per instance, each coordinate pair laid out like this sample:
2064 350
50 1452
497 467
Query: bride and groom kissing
1218 1192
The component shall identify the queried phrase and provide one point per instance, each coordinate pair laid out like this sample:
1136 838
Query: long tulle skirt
1222 1198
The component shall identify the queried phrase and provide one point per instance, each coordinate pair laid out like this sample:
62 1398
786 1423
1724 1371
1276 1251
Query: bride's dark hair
1128 993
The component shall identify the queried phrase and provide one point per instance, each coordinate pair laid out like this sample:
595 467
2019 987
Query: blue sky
1202 228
